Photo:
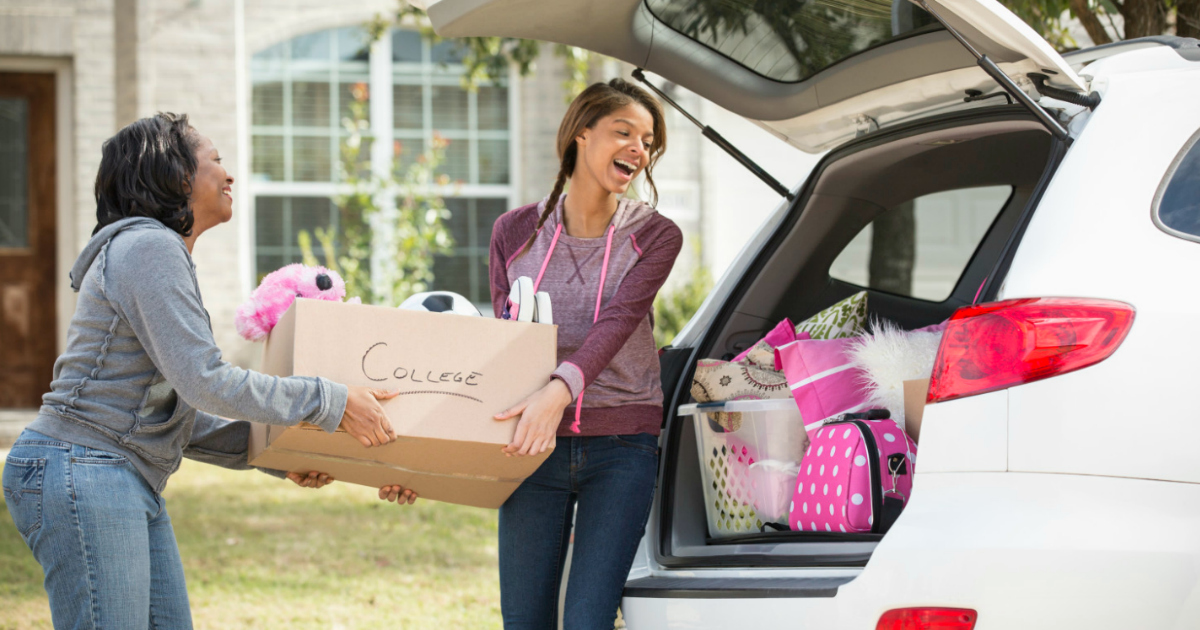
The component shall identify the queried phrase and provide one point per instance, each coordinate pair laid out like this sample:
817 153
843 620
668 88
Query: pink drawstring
596 317
578 413
603 273
554 241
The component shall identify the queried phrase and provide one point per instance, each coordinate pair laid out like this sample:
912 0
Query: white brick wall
94 104
37 28
543 103
269 22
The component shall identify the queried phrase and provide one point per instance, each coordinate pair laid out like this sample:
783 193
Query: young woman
602 258
84 482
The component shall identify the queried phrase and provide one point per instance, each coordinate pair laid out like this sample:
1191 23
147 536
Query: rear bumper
1025 550
670 587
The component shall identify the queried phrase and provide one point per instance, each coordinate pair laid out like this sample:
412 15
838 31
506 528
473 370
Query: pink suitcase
855 477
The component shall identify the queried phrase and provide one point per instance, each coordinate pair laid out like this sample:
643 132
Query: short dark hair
147 170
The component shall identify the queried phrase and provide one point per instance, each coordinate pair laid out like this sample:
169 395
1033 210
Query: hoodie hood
100 239
630 215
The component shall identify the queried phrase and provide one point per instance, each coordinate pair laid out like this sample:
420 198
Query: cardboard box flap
915 393
461 489
480 460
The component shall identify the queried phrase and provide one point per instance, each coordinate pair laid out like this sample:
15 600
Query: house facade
270 81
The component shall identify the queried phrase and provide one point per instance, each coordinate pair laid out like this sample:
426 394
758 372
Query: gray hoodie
141 362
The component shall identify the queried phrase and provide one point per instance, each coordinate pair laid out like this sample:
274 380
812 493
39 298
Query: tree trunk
1091 23
893 250
1144 18
1187 18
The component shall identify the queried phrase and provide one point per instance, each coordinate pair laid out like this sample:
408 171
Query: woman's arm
509 233
147 276
498 269
221 442
622 314
224 443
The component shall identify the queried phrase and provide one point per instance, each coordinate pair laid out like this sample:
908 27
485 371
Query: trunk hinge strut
1056 129
720 141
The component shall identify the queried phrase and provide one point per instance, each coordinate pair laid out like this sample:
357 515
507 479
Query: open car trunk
816 73
1002 148
898 90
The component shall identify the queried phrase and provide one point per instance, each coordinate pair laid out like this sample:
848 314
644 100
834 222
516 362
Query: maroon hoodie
606 345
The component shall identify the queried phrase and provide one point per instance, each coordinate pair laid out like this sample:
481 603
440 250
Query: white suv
1057 484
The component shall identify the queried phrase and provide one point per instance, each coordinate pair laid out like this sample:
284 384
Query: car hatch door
817 73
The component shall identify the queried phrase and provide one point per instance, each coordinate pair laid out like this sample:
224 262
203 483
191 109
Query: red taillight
927 619
998 345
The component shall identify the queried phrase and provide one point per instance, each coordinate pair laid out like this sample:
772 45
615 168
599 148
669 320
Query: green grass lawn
262 553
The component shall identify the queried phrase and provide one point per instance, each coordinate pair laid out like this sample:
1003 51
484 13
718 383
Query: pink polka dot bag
856 475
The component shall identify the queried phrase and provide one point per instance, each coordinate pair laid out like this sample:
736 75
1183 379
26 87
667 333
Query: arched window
301 90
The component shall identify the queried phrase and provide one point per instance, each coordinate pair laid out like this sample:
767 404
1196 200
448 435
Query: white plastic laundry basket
749 458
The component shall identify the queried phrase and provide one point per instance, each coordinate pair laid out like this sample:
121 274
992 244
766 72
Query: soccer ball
440 302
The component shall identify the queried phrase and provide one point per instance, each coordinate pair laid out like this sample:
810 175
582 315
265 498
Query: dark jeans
612 479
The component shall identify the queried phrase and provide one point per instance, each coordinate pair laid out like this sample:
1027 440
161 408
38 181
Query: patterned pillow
762 354
722 380
844 319
718 380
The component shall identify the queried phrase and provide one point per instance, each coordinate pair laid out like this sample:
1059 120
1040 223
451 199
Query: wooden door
27 238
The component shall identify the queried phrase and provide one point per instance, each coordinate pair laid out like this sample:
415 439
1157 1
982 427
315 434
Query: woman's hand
541 413
313 479
365 419
397 494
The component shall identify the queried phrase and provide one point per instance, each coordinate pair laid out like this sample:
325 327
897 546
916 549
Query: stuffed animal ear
257 316
247 324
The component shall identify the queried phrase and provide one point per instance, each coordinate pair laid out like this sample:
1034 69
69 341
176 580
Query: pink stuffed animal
258 315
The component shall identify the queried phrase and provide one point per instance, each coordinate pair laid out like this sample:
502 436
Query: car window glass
920 248
1177 207
786 40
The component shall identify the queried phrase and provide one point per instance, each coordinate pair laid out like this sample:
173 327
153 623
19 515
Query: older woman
136 388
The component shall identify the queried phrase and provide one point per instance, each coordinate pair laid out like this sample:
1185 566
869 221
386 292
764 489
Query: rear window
920 248
1177 204
791 40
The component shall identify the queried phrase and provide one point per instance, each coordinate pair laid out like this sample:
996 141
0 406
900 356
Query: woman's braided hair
596 102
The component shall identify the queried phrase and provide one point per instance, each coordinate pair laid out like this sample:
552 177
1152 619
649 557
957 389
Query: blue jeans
612 479
101 534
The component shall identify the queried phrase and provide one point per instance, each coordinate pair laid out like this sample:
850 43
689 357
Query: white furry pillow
888 356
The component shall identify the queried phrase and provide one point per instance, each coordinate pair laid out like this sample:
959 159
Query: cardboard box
915 393
454 373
